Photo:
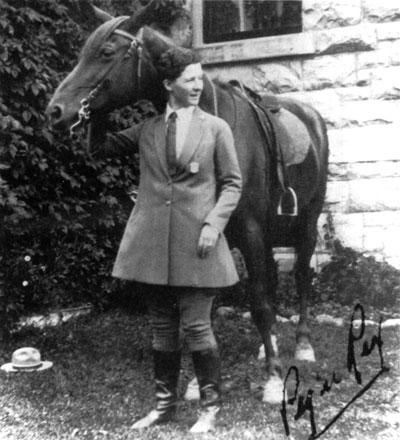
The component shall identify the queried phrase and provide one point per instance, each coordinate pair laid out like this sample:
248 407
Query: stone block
317 98
384 219
374 239
263 77
330 13
337 196
388 31
365 87
341 114
363 195
380 241
381 10
387 54
362 91
382 89
348 39
277 78
391 239
373 195
363 170
349 229
374 76
366 144
329 71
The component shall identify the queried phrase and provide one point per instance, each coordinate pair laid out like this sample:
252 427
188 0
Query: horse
117 67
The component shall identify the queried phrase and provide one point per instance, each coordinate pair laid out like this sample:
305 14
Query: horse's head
115 68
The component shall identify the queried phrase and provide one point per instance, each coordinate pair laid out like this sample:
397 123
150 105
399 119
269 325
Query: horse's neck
153 90
211 96
209 99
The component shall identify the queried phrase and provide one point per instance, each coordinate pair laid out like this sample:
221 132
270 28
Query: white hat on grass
26 359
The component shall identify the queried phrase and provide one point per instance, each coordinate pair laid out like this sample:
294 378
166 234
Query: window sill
265 47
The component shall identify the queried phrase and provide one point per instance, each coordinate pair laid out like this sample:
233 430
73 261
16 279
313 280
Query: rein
84 111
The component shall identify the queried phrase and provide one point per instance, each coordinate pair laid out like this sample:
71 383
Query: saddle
289 140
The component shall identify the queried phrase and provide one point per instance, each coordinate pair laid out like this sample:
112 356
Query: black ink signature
305 403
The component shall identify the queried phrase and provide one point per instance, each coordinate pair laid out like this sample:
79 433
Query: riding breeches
181 310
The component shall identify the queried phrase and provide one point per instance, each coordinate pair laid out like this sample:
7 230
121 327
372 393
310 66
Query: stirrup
206 420
289 190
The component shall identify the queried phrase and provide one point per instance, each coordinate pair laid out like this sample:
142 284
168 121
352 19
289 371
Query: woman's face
186 89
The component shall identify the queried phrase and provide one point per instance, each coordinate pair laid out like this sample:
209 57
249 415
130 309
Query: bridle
136 47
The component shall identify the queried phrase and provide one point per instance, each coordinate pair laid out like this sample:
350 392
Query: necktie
171 143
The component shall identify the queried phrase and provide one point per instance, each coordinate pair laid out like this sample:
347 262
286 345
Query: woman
190 184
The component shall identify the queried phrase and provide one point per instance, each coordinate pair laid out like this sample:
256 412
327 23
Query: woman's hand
207 241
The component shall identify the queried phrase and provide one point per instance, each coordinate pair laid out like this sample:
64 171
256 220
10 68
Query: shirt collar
181 112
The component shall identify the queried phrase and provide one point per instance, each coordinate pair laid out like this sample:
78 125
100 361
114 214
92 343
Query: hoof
192 390
304 352
206 420
273 390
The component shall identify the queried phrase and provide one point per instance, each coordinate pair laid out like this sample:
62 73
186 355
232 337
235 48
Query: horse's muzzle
56 117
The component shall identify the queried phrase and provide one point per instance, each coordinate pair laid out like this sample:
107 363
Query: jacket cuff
212 226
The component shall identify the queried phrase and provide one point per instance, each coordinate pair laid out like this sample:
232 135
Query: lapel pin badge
194 167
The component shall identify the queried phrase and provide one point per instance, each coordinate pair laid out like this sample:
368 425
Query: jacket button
168 202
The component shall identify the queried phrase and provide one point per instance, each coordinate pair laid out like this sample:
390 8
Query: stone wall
351 74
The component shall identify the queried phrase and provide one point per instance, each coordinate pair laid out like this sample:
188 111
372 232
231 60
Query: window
228 20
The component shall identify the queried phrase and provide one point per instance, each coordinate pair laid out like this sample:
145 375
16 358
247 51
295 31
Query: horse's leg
262 284
305 248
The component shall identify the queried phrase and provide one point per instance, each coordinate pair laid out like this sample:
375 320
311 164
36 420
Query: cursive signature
305 402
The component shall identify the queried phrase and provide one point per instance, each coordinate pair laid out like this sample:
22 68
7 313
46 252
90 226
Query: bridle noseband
136 46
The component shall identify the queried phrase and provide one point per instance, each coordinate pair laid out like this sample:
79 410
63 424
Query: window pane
226 20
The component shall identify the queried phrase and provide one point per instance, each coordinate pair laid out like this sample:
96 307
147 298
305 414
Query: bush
62 213
353 277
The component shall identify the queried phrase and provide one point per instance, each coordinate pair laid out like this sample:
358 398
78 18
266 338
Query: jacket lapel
160 141
193 137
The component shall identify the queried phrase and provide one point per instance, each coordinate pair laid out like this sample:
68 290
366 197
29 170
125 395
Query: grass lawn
101 382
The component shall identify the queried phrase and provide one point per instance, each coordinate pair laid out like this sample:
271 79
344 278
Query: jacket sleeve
228 176
106 144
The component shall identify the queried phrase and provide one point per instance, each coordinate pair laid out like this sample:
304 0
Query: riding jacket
159 245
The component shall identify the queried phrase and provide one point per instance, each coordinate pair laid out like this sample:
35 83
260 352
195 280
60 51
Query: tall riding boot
166 374
208 372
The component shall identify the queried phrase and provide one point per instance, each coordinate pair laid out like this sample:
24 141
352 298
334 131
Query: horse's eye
107 52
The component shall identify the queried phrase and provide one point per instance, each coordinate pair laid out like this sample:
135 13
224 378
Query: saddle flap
293 137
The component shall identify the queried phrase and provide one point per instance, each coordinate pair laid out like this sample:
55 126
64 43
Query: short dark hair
174 61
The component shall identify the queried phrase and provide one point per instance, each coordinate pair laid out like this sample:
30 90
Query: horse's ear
144 16
155 42
101 15
167 16
88 15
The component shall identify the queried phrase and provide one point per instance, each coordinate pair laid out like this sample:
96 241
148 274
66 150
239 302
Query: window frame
247 49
